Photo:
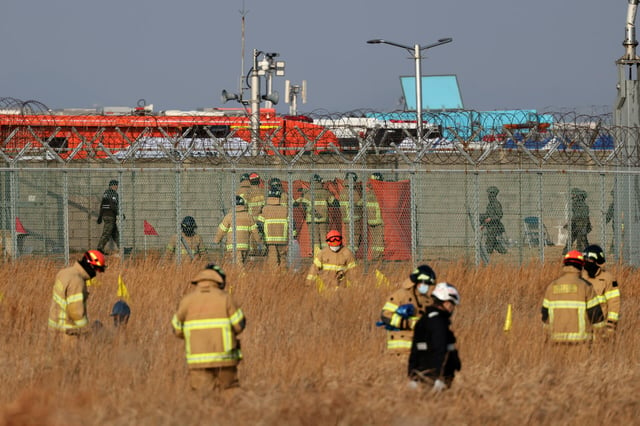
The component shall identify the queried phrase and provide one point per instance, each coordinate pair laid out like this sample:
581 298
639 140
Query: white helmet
446 292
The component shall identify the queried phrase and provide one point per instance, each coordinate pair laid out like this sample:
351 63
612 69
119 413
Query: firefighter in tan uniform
405 307
245 186
68 312
316 201
351 202
605 286
276 184
275 228
375 225
571 308
209 321
189 243
255 197
332 265
245 230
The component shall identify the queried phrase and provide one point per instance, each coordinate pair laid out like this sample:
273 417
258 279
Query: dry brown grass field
309 358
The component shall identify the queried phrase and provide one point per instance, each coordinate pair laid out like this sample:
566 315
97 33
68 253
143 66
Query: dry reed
310 359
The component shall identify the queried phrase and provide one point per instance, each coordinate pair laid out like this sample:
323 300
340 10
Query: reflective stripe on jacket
571 308
209 322
275 222
374 215
332 268
68 311
606 287
245 229
400 340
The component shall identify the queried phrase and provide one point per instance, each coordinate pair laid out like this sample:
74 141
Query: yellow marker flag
507 320
123 293
381 279
320 285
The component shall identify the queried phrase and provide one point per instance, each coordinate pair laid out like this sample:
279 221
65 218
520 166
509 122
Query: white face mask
423 288
335 249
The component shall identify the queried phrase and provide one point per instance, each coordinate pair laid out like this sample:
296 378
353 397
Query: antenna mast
241 85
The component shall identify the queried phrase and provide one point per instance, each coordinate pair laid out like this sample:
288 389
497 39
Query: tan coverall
209 320
317 216
349 222
571 308
399 342
275 219
255 201
245 229
606 287
68 311
375 225
194 242
331 269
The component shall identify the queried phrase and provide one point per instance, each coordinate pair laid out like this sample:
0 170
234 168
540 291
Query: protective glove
99 220
413 385
438 386
406 311
386 326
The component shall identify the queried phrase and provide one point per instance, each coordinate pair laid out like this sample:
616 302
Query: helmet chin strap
90 270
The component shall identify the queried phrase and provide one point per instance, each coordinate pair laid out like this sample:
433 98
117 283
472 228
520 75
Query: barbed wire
32 133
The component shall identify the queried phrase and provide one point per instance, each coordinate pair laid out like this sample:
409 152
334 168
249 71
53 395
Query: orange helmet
334 238
95 258
574 258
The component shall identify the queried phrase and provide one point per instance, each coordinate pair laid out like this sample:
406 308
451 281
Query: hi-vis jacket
606 287
571 308
194 243
208 320
275 219
245 228
68 312
318 209
330 269
255 200
400 340
345 205
374 214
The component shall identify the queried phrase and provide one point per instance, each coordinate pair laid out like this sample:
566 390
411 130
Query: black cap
113 182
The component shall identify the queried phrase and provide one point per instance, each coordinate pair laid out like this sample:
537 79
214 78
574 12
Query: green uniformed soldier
580 223
492 221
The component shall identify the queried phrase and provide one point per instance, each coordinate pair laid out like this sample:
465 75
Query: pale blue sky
547 54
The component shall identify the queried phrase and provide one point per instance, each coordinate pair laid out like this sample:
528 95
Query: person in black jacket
109 214
434 359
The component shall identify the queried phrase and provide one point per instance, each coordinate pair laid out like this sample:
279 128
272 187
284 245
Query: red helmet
334 238
95 258
574 258
254 178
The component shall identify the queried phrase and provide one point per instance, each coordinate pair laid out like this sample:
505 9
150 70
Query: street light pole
416 50
418 59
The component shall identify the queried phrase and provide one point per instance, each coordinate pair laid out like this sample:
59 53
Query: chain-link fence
426 214
439 197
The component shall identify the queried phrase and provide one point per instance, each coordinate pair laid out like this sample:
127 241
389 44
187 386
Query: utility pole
241 86
255 105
